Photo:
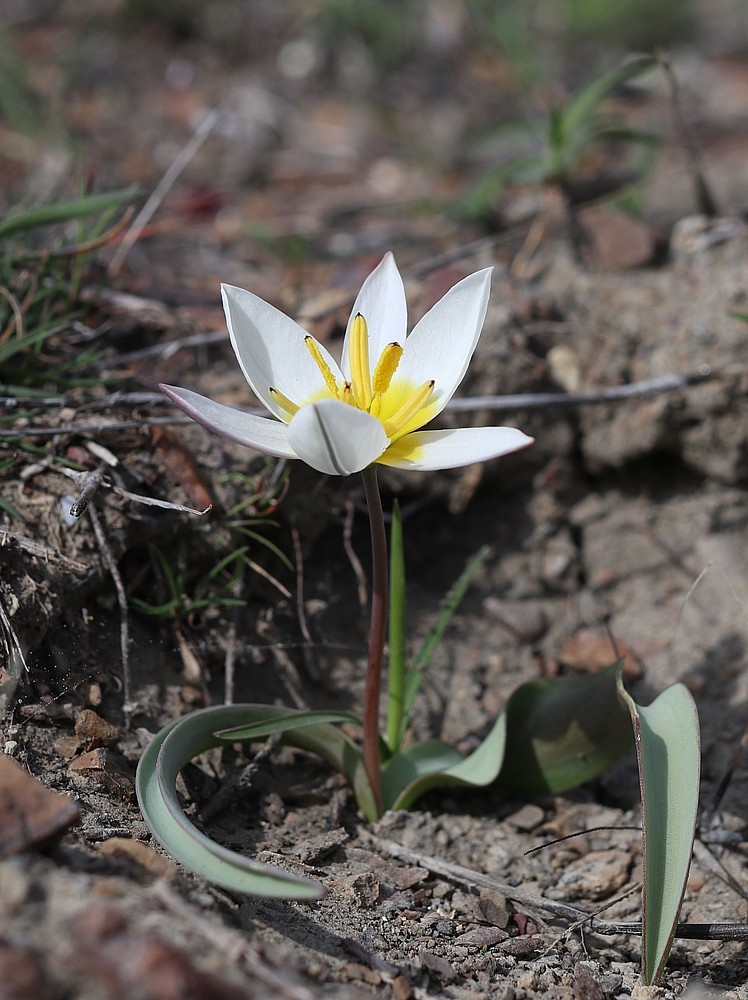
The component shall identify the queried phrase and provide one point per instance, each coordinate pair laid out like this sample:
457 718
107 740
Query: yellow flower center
399 405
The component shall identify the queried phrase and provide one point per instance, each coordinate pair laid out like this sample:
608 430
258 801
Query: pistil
359 357
364 390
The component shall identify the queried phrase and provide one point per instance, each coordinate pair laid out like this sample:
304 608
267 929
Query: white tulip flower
372 407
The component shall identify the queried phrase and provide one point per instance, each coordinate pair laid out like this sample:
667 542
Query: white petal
336 438
449 449
442 343
381 302
261 433
270 350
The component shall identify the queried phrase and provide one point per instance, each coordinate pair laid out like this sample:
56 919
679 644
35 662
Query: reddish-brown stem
377 632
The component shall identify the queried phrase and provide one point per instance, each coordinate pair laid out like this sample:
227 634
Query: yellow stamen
327 374
408 410
359 360
386 367
283 401
347 395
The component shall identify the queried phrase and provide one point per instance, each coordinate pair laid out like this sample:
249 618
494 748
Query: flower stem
377 632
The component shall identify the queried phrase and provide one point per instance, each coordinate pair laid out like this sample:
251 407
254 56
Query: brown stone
93 731
592 650
22 975
126 962
30 813
615 241
482 937
597 875
140 854
438 967
108 769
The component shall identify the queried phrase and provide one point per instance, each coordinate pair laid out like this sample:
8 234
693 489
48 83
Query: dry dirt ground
625 519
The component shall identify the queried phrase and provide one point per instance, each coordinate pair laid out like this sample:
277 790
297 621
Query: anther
386 367
327 373
283 401
394 425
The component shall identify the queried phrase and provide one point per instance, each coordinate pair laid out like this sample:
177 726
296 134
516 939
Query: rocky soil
625 523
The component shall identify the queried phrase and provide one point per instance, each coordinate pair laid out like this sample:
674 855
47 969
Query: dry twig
143 217
358 569
523 401
124 622
471 877
308 649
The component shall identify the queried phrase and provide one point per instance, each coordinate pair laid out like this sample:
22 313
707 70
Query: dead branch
524 401
202 132
124 621
471 877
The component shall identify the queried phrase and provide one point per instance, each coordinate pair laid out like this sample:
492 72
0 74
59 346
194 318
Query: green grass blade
397 648
16 345
668 754
174 581
167 610
222 564
261 539
9 509
578 111
64 211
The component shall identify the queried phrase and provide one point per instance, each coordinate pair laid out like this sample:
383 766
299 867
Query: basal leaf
178 743
411 773
285 722
562 733
668 754
172 748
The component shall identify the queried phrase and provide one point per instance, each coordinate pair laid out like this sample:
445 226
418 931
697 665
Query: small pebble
525 619
482 937
363 890
526 818
446 928
438 966
596 876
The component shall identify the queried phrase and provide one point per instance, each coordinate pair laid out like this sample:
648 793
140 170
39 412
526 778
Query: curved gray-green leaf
668 752
411 773
310 732
286 722
172 748
562 733
182 740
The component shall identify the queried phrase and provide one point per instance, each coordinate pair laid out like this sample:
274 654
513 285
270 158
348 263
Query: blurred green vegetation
565 142
536 36
44 255
18 105
543 37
